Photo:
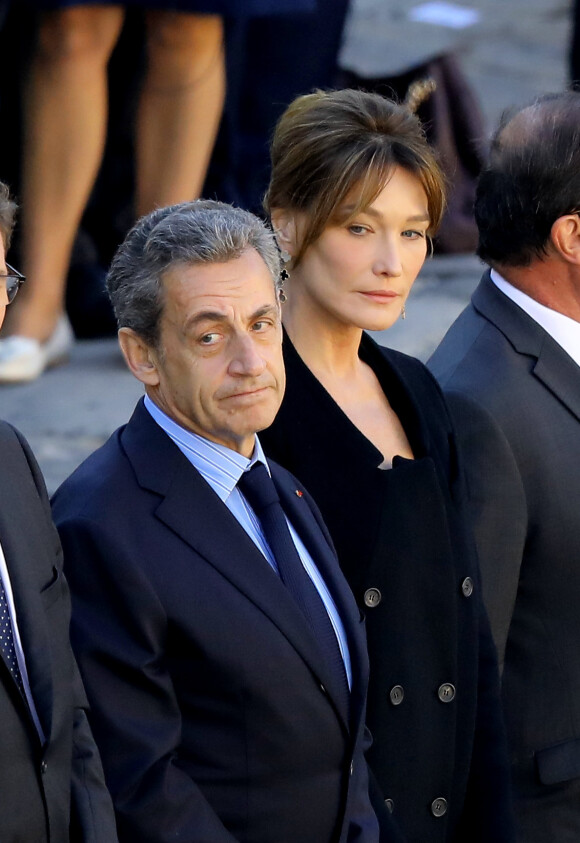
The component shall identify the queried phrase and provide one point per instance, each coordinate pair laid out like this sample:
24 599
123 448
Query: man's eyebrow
205 316
217 316
266 310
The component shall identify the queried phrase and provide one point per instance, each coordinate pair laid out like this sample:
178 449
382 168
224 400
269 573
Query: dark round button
390 805
439 807
43 767
446 692
467 587
372 597
397 694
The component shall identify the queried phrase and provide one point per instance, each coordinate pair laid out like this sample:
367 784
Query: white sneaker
24 359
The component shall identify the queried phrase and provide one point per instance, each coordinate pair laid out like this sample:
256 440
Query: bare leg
65 126
180 108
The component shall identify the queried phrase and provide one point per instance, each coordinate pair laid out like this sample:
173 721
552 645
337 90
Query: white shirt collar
218 465
564 330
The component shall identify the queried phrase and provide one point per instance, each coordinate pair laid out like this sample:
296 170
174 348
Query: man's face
218 368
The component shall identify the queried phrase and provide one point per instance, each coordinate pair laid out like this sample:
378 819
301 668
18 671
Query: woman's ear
284 224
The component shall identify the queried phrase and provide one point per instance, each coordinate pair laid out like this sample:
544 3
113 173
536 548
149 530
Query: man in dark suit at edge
228 684
52 788
510 368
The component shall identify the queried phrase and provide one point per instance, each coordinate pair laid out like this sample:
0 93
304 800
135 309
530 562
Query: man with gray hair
221 648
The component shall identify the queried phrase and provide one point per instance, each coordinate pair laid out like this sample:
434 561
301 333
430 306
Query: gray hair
7 214
197 232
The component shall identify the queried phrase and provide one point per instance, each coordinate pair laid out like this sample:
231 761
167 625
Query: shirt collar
564 330
218 465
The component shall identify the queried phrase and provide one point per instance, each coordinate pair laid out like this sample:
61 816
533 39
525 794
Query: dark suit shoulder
477 360
91 486
15 442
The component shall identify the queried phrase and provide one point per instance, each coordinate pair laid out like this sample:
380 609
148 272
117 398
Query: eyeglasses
13 280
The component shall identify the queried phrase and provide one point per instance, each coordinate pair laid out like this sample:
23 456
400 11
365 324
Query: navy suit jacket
515 397
54 791
214 711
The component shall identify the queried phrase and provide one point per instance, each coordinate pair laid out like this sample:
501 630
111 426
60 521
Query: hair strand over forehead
329 144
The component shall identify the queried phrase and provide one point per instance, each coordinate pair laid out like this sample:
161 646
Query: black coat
213 708
433 697
52 792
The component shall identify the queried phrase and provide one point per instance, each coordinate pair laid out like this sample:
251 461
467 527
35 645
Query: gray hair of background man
532 179
7 214
197 232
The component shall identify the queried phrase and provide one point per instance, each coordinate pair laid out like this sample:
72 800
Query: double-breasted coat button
372 597
397 694
43 767
439 807
390 805
446 692
467 587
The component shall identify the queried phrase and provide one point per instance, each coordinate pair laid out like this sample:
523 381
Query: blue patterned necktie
7 639
258 488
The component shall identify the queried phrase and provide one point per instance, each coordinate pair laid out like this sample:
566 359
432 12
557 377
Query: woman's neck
326 346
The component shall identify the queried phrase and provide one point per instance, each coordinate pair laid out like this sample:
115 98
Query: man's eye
209 339
261 325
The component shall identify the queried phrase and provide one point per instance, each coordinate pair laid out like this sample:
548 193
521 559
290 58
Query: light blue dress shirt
221 468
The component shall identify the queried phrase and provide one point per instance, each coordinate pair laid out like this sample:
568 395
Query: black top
403 545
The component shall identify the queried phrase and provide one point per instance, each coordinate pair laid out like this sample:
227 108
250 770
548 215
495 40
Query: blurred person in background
354 197
65 126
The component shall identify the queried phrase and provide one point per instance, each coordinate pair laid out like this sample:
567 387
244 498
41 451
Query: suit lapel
24 546
298 511
553 367
560 374
192 510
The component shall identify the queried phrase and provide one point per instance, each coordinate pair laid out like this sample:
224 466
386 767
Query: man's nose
247 359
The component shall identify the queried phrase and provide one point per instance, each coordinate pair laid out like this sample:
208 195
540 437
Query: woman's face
360 273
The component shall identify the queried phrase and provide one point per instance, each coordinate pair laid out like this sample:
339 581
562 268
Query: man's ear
566 237
139 356
285 227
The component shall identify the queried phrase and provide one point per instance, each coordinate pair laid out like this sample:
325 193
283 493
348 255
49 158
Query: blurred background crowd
116 109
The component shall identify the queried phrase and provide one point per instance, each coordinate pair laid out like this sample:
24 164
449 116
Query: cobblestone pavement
517 50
